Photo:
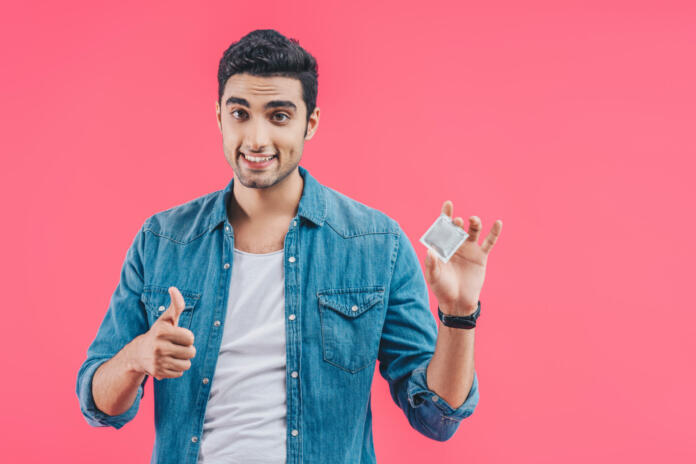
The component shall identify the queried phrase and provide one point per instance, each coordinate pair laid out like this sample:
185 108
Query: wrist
131 358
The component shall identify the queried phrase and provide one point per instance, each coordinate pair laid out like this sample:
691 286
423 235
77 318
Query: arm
407 346
451 370
115 383
125 319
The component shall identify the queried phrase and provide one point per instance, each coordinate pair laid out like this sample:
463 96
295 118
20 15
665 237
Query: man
261 309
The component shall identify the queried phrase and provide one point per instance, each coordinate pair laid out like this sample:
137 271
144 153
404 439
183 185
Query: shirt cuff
94 416
418 393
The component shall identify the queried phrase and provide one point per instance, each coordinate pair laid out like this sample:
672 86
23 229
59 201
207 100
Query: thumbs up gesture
165 350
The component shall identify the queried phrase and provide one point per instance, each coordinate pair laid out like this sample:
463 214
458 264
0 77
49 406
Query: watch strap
460 322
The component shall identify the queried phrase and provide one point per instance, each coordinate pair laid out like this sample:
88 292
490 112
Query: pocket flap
157 298
351 302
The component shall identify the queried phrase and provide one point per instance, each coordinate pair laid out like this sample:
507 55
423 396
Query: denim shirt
354 294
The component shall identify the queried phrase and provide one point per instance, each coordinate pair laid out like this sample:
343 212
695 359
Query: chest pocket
157 300
351 325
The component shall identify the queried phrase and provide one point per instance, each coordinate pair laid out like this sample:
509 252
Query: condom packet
444 237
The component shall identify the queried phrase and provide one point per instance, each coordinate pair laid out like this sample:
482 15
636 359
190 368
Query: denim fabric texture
355 294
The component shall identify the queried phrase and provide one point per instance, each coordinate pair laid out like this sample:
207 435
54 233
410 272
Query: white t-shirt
245 419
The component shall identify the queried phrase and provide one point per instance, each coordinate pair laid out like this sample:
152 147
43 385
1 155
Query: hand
165 350
457 283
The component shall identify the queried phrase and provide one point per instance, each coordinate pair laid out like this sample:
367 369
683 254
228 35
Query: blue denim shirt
354 294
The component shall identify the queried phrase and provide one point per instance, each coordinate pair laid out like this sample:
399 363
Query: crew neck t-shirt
245 418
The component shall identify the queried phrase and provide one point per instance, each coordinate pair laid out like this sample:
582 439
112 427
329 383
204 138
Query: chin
256 181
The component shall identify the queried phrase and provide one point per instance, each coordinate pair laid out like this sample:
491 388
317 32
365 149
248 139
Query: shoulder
184 222
349 217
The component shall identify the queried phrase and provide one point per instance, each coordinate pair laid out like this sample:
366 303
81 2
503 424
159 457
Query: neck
261 204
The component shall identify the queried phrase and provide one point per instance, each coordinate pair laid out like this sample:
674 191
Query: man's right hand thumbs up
165 350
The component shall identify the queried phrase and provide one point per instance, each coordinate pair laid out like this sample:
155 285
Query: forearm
115 383
450 372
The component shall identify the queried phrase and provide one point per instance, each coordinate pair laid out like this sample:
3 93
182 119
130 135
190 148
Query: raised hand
457 283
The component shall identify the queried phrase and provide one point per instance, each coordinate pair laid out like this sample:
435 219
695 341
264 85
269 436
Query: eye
234 111
282 114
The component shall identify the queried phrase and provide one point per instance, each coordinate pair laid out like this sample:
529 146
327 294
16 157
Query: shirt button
435 398
294 374
294 433
227 265
291 259
216 323
161 308
205 381
354 308
294 222
194 439
291 317
227 228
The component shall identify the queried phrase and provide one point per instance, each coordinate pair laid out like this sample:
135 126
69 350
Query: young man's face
264 116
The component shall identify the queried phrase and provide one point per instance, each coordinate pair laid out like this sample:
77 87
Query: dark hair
266 52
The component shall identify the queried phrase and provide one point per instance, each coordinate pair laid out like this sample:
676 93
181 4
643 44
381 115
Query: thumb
430 266
175 308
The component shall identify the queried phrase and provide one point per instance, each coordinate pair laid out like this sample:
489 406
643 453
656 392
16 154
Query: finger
179 351
447 208
176 364
432 266
179 336
175 308
492 236
170 374
474 229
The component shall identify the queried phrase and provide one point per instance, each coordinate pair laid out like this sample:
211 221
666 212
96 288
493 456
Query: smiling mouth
258 161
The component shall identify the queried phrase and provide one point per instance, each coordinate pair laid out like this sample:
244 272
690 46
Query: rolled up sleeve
408 343
124 320
435 414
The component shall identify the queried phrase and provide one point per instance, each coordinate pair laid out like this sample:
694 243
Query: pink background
572 123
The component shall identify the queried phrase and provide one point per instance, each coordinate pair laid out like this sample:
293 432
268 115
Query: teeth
257 159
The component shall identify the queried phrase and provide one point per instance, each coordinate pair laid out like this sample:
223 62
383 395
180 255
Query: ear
218 115
313 123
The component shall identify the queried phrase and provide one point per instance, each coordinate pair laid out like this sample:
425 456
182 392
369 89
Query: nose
256 137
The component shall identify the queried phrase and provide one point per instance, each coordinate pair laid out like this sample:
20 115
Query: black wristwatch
460 322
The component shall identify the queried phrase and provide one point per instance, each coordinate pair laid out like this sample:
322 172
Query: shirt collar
312 202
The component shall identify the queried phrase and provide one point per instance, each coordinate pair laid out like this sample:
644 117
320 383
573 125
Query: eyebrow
270 104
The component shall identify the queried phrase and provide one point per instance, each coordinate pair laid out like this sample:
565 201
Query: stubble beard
269 178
